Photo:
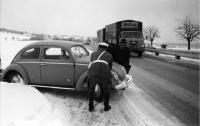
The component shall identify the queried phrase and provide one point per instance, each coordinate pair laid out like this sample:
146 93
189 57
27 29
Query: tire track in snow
134 106
75 109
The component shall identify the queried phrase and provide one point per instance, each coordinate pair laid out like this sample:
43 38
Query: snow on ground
184 49
131 107
74 106
195 48
22 105
13 36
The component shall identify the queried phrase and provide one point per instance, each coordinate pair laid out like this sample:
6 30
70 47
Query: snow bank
25 106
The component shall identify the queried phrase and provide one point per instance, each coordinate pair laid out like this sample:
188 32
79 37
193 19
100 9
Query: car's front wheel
98 95
15 78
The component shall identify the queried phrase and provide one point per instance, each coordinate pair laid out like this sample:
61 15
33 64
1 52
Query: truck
128 30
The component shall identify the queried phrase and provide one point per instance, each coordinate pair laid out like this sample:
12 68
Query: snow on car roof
67 44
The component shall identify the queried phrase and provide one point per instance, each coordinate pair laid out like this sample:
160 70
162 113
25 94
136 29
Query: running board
52 87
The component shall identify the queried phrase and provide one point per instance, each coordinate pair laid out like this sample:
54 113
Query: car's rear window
32 53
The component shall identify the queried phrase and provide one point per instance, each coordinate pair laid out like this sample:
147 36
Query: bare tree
150 33
188 29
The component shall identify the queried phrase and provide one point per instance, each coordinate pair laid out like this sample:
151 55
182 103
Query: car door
57 67
29 59
81 57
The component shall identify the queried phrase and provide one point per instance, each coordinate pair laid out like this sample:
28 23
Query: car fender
17 68
79 83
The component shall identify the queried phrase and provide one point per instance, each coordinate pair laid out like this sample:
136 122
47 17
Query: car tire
98 95
15 78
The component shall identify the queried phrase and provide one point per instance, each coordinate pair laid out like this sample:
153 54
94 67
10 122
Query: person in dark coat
124 55
121 54
100 72
113 49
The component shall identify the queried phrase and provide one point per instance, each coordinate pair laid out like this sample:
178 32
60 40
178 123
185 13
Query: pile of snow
23 105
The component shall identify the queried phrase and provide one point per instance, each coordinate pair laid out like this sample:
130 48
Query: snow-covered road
152 100
74 106
132 107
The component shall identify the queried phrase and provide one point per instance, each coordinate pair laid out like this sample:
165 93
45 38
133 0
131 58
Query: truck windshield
130 34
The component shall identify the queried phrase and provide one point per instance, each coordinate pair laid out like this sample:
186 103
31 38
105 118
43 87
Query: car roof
66 44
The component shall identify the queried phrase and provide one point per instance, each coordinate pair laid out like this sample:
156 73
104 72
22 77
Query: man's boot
91 108
107 107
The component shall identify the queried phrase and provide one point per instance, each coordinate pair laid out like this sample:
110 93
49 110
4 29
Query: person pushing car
100 73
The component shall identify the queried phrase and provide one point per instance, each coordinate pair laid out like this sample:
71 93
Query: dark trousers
91 90
127 67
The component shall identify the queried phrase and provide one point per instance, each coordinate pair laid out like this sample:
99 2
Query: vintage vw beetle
52 64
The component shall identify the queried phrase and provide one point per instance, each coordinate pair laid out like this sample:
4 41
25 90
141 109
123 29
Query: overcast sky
85 17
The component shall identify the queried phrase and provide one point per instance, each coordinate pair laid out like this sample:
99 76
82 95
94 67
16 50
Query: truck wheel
15 78
140 54
98 95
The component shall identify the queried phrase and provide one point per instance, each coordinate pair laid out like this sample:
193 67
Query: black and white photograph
99 62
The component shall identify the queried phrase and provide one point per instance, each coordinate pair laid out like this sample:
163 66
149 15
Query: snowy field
10 45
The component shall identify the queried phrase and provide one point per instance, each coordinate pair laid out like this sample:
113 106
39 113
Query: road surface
163 94
175 88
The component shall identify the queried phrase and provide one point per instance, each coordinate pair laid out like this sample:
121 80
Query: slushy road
163 94
174 88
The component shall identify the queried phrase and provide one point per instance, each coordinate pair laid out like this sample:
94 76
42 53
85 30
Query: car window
53 53
78 51
32 53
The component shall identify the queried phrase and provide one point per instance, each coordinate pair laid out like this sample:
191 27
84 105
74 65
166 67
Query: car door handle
43 64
